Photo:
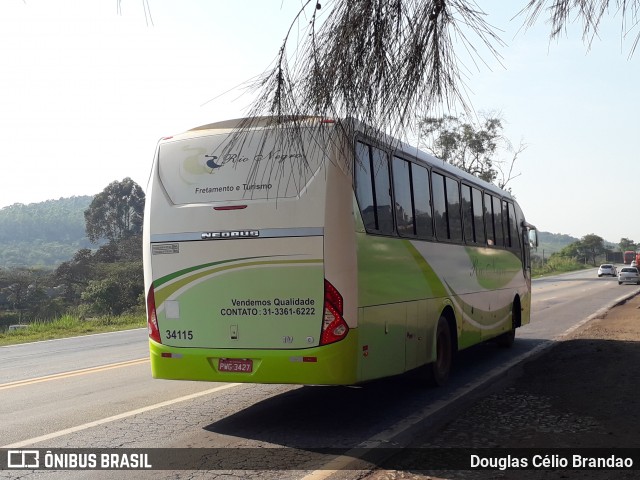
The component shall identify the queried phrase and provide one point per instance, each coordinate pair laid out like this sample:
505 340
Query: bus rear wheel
440 369
506 339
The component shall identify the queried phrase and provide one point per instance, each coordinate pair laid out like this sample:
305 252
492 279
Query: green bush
119 291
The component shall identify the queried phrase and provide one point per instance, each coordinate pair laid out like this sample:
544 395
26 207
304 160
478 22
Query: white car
607 269
629 275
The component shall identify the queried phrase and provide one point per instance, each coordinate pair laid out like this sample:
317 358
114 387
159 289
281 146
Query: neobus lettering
236 234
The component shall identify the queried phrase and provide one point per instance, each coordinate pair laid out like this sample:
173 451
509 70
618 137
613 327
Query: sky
86 92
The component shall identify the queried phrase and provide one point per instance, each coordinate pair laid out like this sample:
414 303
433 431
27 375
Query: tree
119 288
573 250
590 12
470 146
587 249
126 249
627 244
75 274
116 212
592 247
24 290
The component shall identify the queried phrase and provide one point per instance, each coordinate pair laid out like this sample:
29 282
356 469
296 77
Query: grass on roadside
70 326
557 265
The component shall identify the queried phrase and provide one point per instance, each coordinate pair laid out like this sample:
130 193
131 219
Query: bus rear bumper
334 364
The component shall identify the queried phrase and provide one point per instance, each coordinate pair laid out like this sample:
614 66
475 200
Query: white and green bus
317 253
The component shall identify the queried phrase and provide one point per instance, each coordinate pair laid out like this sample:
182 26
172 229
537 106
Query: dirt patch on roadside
582 393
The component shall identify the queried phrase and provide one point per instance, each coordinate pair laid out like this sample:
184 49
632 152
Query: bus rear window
205 169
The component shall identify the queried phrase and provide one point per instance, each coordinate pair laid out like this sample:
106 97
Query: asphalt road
117 404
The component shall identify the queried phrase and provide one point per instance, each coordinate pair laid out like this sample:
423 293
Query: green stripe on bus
162 294
433 280
167 278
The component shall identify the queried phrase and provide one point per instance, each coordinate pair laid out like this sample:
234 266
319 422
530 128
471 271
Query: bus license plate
242 365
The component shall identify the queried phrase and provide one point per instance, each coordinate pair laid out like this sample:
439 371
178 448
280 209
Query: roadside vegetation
556 264
71 326
588 252
97 290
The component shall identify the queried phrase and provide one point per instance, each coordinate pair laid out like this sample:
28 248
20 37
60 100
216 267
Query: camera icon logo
23 459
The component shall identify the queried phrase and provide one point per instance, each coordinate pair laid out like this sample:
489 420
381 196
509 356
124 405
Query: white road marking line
120 416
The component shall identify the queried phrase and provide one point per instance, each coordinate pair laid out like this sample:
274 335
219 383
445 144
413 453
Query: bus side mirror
533 238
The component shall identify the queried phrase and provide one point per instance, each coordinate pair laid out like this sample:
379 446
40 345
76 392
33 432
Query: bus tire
506 339
440 369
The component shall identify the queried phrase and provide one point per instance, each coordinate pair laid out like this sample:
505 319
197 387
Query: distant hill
553 242
49 233
42 234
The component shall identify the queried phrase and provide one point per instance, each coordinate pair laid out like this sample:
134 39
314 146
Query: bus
315 251
628 257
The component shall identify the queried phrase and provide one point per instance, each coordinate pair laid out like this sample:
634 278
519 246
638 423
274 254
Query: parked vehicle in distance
629 275
633 263
628 256
607 269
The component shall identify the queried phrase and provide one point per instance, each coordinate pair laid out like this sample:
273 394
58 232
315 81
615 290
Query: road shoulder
580 393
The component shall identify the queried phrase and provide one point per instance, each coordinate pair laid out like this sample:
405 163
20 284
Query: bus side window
467 214
488 219
513 227
505 220
478 216
497 221
364 187
382 186
439 206
373 188
422 201
453 209
402 194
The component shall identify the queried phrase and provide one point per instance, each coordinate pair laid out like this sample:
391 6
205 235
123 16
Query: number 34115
179 334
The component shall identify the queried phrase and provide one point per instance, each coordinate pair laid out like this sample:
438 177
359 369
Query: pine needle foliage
378 61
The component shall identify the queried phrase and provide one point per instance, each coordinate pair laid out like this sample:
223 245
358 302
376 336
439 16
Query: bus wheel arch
446 345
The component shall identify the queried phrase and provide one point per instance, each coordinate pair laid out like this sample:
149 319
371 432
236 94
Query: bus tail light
152 318
334 328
